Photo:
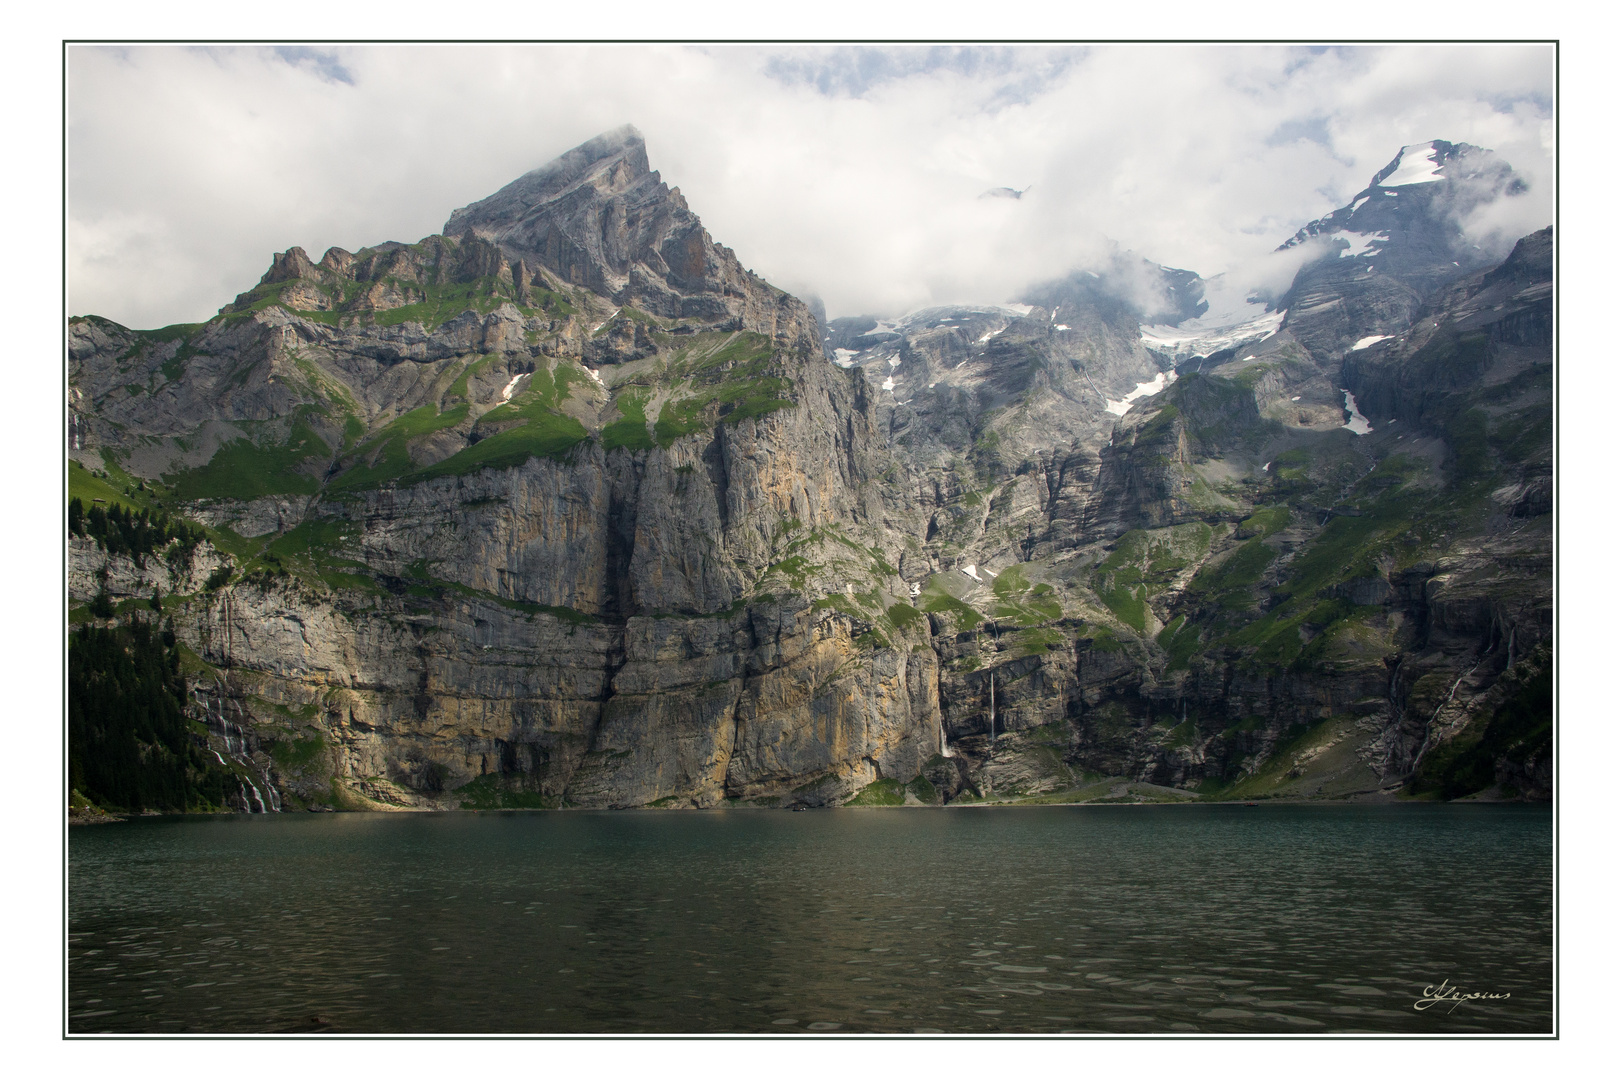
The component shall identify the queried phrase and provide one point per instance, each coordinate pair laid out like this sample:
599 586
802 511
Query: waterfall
1429 724
236 748
257 797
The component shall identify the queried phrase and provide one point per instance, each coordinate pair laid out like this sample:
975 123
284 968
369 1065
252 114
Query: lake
1300 919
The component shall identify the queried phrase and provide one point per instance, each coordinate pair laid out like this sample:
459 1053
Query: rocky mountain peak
1399 239
1439 161
611 163
1414 206
600 217
291 265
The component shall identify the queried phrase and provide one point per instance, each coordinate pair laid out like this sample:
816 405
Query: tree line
129 743
136 533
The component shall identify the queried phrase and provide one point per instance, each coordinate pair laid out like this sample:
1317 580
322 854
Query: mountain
563 507
1398 240
600 218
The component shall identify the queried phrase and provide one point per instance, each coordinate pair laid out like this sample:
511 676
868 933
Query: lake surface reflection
1140 919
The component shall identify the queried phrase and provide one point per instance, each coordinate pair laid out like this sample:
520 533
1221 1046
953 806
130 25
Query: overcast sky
851 173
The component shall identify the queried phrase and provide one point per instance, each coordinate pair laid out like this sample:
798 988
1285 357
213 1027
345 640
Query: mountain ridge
571 509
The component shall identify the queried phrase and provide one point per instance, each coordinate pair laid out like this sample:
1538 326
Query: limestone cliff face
564 507
514 529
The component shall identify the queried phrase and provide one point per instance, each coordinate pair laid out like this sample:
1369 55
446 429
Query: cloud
849 173
1007 73
322 62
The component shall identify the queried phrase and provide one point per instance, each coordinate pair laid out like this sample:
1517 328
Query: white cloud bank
848 173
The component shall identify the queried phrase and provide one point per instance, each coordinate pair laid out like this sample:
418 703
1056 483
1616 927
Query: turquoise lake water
1295 919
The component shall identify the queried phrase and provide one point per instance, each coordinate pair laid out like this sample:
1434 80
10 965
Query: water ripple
1064 919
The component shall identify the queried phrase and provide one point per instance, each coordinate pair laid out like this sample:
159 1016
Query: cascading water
258 798
1431 723
993 708
235 738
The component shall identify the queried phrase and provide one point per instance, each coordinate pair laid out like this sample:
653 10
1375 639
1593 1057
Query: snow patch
597 377
1232 318
1021 310
1363 343
895 362
512 384
969 570
1296 398
1060 326
1359 201
889 384
845 357
1358 424
1361 243
1416 164
1143 390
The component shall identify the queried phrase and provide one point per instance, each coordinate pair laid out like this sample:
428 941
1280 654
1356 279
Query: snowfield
1415 165
1197 337
1357 424
1144 389
1232 318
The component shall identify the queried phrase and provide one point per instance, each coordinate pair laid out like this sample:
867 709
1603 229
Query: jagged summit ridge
615 160
600 217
